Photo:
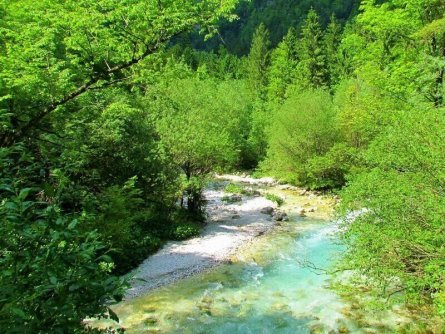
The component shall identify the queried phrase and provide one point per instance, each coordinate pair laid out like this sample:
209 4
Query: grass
275 199
233 188
236 189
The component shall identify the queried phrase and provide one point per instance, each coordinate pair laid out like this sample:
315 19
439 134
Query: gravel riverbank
229 226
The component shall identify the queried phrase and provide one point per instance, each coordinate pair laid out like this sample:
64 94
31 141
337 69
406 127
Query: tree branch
9 139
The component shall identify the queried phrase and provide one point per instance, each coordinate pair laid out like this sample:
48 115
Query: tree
313 66
284 60
65 49
258 61
54 272
200 139
332 40
393 116
398 241
302 128
278 16
71 152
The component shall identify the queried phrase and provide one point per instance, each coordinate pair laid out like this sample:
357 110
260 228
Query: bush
184 231
231 199
330 170
233 188
302 129
276 199
236 189
54 272
399 241
53 275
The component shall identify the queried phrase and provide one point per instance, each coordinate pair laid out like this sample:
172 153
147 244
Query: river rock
236 217
287 187
355 306
346 311
236 198
280 307
301 211
343 329
278 294
268 210
151 320
280 216
312 209
303 192
318 329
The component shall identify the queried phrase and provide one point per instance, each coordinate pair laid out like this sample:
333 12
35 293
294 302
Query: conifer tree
258 61
332 40
282 69
313 66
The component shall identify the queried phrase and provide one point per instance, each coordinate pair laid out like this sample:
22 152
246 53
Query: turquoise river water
273 285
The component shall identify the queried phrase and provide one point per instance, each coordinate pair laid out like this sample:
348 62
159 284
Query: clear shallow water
271 286
268 288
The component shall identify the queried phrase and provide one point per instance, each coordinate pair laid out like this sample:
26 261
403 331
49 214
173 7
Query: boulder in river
287 187
236 198
343 329
280 216
268 210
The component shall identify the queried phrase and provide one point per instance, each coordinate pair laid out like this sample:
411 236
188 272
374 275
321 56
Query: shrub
54 272
233 188
399 241
276 199
303 128
231 199
53 275
184 231
330 170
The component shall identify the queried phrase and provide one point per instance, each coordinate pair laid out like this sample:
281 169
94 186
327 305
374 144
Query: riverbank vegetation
113 115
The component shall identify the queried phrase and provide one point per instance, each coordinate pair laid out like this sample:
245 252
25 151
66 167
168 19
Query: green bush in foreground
303 128
398 242
53 273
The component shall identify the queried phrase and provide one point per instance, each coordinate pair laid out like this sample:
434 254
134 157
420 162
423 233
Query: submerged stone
317 329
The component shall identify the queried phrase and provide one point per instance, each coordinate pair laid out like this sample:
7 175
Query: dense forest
115 114
277 15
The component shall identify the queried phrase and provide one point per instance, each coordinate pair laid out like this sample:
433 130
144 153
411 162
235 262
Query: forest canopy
115 114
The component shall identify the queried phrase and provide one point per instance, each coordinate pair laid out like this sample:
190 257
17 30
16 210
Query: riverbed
278 282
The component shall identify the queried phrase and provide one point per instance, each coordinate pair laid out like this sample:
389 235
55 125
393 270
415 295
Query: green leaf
24 193
19 312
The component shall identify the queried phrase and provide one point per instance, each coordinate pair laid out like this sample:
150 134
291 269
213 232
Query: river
276 284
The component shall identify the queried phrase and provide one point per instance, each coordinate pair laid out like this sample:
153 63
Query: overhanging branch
10 139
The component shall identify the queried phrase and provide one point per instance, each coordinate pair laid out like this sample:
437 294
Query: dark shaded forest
277 15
